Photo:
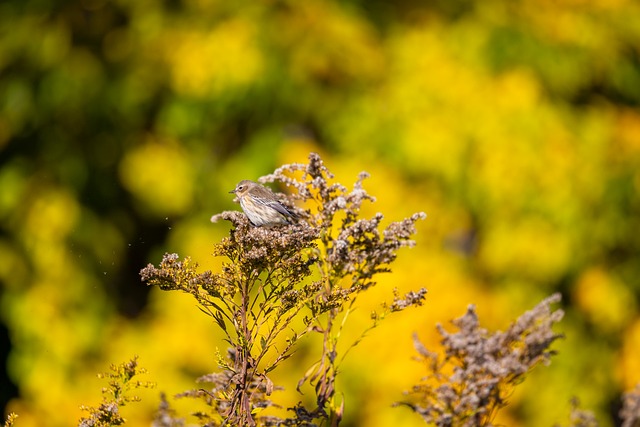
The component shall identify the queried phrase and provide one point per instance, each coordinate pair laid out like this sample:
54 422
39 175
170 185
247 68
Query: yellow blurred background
123 125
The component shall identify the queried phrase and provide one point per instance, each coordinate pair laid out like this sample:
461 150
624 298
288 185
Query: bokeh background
515 125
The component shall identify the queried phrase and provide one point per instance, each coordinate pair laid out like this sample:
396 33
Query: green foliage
116 395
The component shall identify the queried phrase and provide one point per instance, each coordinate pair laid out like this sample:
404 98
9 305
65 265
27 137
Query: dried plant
165 416
581 417
479 369
11 419
279 284
630 412
116 395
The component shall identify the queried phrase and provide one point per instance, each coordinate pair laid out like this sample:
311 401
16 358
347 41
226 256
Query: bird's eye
240 188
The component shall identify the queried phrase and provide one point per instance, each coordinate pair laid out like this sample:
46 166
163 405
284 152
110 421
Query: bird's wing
274 205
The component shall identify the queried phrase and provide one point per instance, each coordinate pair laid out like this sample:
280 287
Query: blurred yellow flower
224 58
160 177
628 369
607 302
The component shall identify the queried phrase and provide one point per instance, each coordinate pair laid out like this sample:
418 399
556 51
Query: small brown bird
261 206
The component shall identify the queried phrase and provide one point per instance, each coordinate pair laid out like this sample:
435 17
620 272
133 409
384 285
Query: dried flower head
630 412
165 416
479 369
11 419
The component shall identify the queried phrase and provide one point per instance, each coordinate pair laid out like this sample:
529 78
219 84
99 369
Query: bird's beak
232 191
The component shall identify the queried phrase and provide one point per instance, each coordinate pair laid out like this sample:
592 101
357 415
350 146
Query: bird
261 206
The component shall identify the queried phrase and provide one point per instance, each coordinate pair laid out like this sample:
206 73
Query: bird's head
243 187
